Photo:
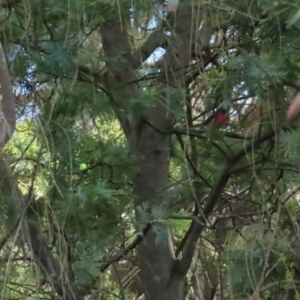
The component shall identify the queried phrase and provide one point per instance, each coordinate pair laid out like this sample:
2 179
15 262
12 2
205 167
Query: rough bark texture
8 117
151 148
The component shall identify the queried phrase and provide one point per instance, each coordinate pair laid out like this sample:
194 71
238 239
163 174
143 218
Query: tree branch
156 39
53 270
130 247
82 71
9 3
195 132
8 106
197 227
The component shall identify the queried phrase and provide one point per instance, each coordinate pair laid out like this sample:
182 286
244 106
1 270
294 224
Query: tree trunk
156 257
159 272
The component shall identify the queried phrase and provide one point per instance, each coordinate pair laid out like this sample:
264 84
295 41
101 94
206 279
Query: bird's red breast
221 119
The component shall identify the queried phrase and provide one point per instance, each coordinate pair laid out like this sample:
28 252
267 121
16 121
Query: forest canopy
151 158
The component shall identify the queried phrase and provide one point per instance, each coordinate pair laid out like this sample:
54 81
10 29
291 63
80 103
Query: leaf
293 20
157 213
161 232
80 194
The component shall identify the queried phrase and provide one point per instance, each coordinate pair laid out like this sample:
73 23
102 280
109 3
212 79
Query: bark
160 277
8 117
295 289
151 148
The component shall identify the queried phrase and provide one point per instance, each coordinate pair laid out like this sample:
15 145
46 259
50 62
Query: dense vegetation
115 185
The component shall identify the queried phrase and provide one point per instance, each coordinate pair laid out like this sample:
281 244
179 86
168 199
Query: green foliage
266 260
74 167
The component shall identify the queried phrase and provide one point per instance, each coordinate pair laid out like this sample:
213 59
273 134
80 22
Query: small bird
221 118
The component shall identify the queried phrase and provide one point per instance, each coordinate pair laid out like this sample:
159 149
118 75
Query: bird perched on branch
219 118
